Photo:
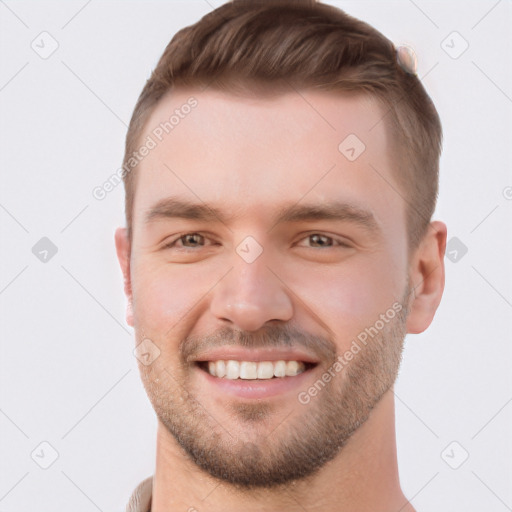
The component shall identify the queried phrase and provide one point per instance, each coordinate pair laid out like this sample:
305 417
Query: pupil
319 239
191 239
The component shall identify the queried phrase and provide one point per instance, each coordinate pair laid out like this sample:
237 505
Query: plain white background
68 374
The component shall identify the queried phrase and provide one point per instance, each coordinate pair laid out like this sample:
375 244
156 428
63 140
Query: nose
251 295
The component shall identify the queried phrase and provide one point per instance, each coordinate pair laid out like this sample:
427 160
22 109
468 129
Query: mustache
271 336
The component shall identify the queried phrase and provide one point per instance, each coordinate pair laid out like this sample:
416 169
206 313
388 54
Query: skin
250 157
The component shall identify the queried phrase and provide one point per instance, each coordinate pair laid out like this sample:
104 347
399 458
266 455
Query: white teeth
265 370
233 369
220 369
292 368
250 370
280 369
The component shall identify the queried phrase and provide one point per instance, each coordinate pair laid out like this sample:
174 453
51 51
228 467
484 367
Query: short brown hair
261 45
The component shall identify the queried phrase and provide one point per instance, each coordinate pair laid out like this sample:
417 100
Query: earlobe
427 278
123 249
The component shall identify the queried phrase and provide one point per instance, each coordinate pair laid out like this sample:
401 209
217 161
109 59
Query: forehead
251 154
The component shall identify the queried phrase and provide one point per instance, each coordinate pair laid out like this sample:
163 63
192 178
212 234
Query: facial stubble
251 456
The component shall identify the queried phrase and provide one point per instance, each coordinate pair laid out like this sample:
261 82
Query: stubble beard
309 437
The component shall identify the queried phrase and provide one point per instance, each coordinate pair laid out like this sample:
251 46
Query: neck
362 478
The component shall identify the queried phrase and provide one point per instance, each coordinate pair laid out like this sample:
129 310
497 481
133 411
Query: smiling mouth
254 370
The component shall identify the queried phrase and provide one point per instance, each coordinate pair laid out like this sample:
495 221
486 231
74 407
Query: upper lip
256 355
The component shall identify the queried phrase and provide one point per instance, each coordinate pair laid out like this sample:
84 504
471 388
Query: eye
319 240
188 240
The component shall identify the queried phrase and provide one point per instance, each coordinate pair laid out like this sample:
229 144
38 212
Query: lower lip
255 389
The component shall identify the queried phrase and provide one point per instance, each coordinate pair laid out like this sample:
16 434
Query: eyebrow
335 211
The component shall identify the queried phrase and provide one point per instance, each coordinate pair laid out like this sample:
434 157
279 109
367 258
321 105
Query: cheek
351 298
163 296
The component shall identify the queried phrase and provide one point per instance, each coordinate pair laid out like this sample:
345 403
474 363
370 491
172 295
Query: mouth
254 378
232 369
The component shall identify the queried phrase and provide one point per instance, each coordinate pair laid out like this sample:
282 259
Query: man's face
294 250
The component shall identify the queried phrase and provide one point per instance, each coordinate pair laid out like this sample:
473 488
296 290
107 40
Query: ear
123 249
427 275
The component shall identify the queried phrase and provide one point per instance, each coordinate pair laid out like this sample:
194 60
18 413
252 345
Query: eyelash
340 243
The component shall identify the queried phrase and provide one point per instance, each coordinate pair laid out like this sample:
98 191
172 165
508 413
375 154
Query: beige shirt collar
140 500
